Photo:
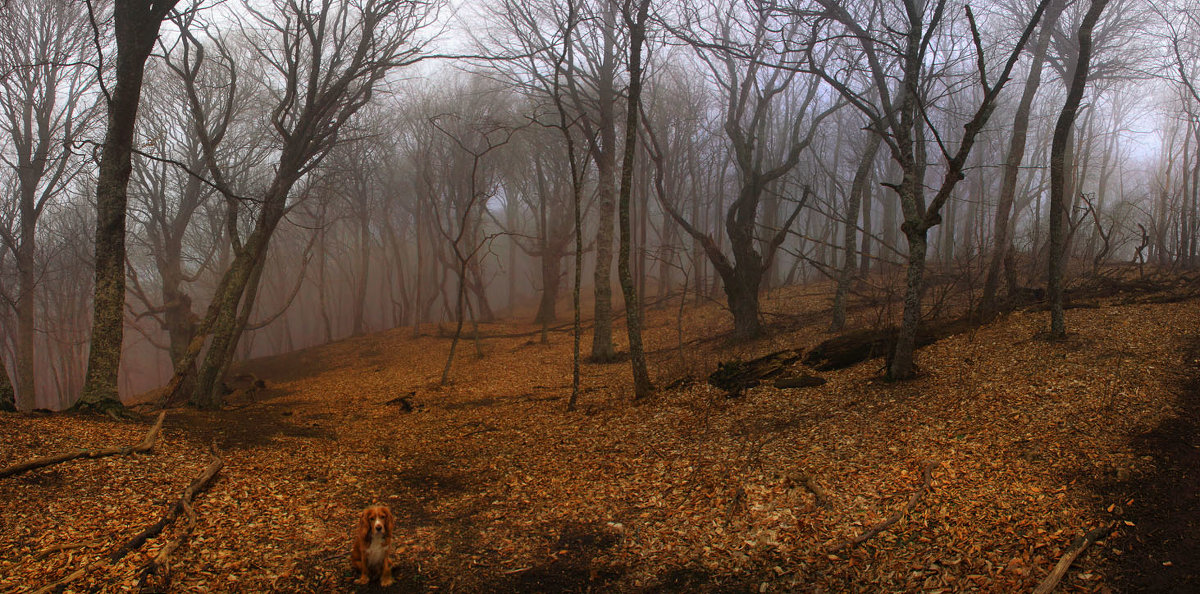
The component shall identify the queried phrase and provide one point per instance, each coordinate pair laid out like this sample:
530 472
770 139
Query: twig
1072 553
146 445
927 473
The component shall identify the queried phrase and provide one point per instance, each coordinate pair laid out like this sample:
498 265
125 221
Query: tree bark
859 191
551 282
637 356
602 344
1058 182
136 25
26 281
901 365
8 402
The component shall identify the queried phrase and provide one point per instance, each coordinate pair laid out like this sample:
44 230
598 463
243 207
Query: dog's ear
387 521
364 523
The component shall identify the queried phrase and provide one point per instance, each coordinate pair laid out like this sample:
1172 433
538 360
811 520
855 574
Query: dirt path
1161 551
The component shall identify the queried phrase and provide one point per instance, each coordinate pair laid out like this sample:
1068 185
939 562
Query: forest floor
496 487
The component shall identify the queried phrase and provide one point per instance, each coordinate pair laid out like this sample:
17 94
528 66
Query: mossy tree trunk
136 25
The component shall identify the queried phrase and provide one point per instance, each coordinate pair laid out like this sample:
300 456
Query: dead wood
809 482
404 402
1071 554
854 347
74 575
67 547
803 380
735 377
183 505
927 475
146 445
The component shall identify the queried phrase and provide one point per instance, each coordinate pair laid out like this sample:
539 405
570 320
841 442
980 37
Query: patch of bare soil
1159 550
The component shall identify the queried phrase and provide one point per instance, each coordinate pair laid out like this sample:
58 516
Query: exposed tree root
927 473
184 505
1070 555
146 445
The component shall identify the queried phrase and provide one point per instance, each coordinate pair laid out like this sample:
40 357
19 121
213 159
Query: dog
373 546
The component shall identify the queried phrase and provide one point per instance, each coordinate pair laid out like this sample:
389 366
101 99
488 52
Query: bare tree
476 140
1058 184
637 37
859 194
766 144
135 28
892 71
1001 234
322 61
44 109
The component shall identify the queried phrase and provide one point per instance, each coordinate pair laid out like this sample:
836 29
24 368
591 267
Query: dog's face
375 522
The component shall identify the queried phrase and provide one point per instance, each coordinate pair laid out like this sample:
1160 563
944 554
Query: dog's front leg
385 576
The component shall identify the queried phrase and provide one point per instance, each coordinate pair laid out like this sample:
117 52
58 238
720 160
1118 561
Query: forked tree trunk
858 194
602 344
1012 164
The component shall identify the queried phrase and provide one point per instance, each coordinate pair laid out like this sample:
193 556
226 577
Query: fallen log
927 475
146 445
183 505
1070 555
854 347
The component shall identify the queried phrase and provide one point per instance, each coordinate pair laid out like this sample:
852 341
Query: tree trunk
8 402
136 28
742 291
26 279
1058 182
602 344
901 365
364 271
859 191
551 281
637 356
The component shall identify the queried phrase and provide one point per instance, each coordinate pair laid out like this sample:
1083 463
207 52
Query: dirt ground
496 488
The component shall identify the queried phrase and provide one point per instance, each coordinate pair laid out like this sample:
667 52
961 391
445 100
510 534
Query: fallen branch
927 473
810 483
184 504
159 566
1072 553
57 586
67 547
146 445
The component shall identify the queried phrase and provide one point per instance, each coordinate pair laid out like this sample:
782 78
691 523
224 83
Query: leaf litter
496 488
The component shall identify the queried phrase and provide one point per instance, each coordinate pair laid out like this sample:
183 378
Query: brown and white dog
373 546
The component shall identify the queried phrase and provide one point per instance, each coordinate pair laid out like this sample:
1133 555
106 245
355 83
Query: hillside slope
497 488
